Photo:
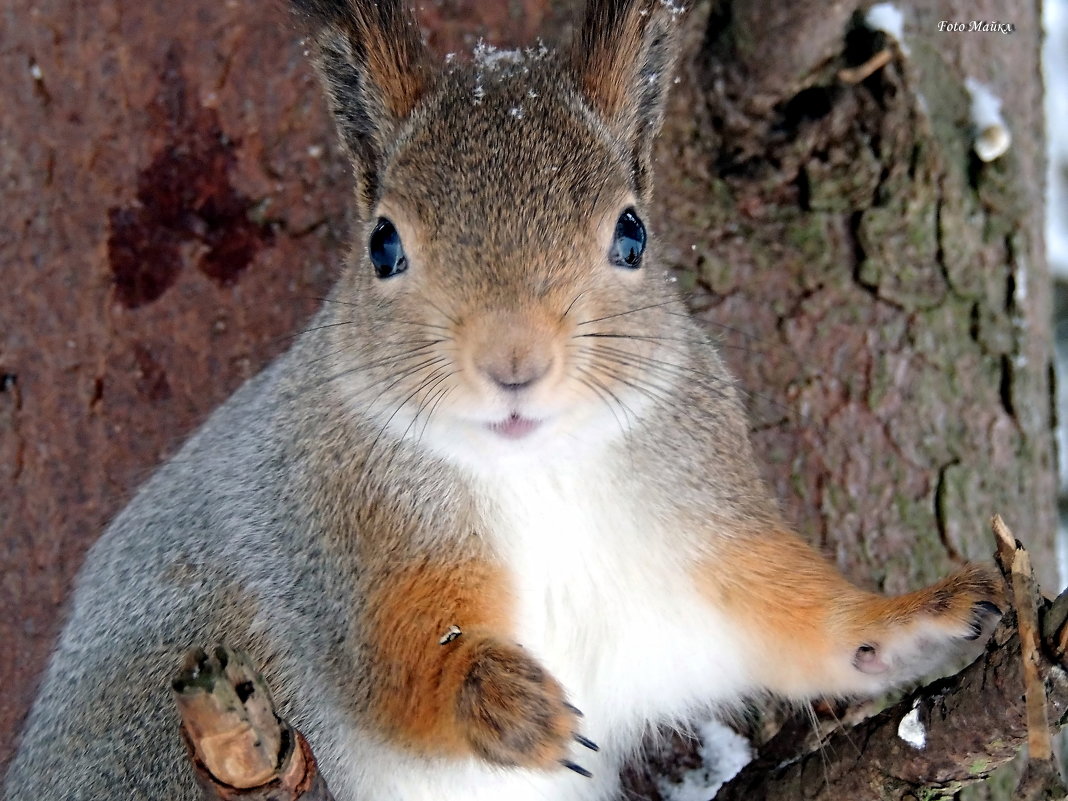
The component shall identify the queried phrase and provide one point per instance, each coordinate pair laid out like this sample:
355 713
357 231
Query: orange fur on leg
417 678
813 633
448 677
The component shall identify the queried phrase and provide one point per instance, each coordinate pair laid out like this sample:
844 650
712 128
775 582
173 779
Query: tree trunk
175 203
891 287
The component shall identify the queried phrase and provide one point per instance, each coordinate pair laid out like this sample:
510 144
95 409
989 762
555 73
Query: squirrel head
503 284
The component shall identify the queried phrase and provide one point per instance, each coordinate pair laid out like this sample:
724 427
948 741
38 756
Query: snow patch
992 137
911 730
723 752
889 19
494 58
1020 283
493 61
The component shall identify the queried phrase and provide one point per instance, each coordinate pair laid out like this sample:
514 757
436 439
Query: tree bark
880 293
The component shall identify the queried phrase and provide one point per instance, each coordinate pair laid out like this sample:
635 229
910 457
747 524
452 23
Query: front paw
513 712
966 605
924 630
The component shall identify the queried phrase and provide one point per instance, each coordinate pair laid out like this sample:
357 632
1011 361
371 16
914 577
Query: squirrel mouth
514 426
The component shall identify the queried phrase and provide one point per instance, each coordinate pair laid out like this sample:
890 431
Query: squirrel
502 478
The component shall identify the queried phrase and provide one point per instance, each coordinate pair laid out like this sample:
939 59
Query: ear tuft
624 60
375 69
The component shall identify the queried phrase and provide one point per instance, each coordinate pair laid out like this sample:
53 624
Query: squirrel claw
982 612
581 771
588 743
574 710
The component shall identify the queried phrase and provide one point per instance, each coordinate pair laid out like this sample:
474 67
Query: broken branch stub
240 749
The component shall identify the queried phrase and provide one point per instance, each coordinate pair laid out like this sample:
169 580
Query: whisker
408 372
363 305
426 400
669 369
421 324
385 360
431 364
438 309
632 311
641 337
302 332
441 396
701 343
650 390
744 334
370 451
627 411
572 304
333 300
429 386
786 410
686 372
413 354
597 391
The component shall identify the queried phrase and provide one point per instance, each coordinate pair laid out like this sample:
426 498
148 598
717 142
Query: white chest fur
605 600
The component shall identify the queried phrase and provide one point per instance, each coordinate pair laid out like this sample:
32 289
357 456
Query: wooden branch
860 73
971 723
240 749
1041 779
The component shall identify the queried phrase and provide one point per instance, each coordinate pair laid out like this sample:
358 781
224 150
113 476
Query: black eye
386 250
628 245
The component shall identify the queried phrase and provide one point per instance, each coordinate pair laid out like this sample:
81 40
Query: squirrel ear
624 59
374 68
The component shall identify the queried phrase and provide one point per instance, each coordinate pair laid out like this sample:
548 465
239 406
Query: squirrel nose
515 374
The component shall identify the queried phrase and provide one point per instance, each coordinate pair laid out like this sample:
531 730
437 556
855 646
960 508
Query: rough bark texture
891 288
174 202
